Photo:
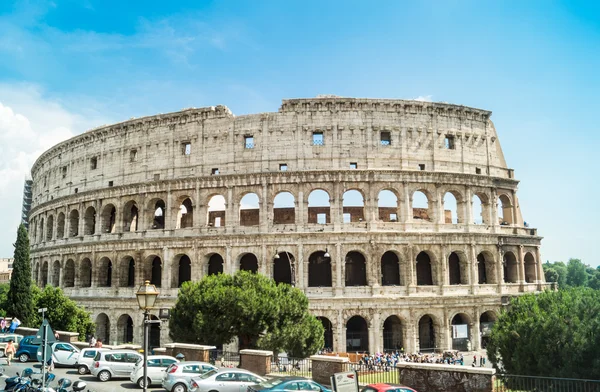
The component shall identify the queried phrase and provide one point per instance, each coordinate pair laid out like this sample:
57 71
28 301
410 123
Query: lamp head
146 295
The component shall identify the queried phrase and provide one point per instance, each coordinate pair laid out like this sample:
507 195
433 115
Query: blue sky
67 66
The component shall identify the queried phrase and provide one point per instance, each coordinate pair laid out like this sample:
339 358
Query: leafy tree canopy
63 313
573 274
554 334
250 306
20 301
4 288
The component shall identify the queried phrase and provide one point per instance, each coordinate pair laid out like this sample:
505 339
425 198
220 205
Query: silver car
114 364
225 380
86 359
157 364
177 376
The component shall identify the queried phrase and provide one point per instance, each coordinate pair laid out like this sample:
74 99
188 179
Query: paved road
93 384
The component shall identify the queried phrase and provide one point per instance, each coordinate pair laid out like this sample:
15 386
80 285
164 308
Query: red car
387 388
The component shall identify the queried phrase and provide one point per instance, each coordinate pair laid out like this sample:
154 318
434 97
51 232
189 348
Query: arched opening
105 272
56 273
103 328
328 334
530 268
89 221
460 333
356 269
390 269
284 209
319 208
69 274
353 205
319 270
155 271
85 273
215 264
249 262
420 207
485 269
60 226
282 268
511 274
450 208
478 217
183 271
36 273
41 231
125 329
427 334
424 270
357 335
486 323
185 216
109 219
505 212
249 210
127 272
74 223
158 220
216 211
50 228
154 333
130 216
454 269
392 334
387 204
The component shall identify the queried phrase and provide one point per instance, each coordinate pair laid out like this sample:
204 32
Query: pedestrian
56 335
9 351
93 341
14 324
98 343
3 325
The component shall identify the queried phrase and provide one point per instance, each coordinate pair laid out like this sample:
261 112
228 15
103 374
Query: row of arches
387 271
454 209
124 331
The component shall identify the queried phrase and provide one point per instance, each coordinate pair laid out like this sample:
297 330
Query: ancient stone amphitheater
398 219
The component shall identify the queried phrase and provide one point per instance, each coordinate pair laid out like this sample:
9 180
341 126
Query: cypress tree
20 298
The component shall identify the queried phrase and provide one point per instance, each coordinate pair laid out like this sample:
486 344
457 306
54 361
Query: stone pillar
476 335
167 268
192 352
301 211
228 268
264 260
521 265
256 361
232 216
468 208
324 366
266 208
339 283
405 205
170 215
341 334
375 345
411 281
300 266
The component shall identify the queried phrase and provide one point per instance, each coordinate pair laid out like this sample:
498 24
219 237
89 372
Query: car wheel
179 388
140 382
104 376
24 357
82 369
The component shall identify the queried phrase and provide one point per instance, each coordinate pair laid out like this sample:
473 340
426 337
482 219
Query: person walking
3 325
98 343
9 351
14 324
93 341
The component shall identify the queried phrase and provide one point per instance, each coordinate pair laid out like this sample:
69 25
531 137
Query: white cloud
423 98
30 123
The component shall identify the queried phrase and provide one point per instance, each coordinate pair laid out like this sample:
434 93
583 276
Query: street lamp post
292 266
146 296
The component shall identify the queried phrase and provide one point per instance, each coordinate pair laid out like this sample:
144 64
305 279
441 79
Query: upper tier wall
372 134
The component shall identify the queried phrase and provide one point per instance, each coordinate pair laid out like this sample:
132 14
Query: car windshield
271 383
208 374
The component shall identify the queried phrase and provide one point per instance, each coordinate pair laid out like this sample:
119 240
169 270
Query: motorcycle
20 382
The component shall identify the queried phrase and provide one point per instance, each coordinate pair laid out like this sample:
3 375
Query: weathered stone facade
165 198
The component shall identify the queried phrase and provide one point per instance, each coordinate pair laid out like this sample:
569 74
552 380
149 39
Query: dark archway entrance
215 264
357 335
424 274
390 269
392 334
249 262
460 333
454 268
185 270
356 269
125 328
427 341
154 334
156 273
328 334
319 270
282 271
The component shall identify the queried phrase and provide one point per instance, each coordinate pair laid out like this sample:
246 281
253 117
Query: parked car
281 384
225 380
5 338
85 361
387 388
157 364
177 377
114 364
27 350
64 354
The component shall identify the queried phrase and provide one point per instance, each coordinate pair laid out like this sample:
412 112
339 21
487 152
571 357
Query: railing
224 358
286 366
510 383
374 373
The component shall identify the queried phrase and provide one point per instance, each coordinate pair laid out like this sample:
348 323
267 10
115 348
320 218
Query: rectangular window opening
133 155
317 139
353 165
393 217
218 221
477 170
214 171
248 141
449 142
157 177
322 219
93 163
64 172
386 138
347 218
283 167
187 148
110 183
421 166
76 190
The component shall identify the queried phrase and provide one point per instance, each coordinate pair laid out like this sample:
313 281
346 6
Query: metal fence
373 374
512 383
287 366
224 358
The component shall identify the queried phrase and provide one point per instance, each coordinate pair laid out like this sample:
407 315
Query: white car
64 354
225 380
86 359
114 364
157 364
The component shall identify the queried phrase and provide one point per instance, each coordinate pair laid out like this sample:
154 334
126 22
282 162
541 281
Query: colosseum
398 219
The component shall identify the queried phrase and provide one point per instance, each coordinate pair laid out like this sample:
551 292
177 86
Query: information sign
345 382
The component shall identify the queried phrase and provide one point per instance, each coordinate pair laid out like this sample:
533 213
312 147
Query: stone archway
357 335
393 339
103 328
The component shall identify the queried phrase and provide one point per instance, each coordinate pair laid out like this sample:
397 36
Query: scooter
65 383
19 382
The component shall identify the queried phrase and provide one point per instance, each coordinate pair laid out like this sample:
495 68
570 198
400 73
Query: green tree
550 274
594 282
20 301
576 273
561 269
63 313
249 306
4 288
554 333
